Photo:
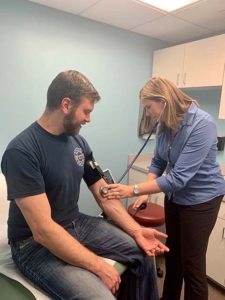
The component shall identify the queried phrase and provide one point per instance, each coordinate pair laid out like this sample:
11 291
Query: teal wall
38 42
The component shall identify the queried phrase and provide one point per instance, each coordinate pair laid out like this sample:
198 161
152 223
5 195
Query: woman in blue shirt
184 167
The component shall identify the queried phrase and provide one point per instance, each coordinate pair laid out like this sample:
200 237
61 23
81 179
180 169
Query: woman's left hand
119 191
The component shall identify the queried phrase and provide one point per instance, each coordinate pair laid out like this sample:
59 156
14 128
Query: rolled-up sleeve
158 165
194 152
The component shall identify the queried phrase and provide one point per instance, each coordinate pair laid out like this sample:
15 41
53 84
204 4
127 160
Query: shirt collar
190 114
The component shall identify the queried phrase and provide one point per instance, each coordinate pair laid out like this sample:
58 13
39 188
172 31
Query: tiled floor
215 292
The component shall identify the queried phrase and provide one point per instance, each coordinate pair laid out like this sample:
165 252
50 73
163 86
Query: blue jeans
63 281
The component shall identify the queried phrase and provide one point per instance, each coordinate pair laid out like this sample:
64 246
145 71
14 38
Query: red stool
151 216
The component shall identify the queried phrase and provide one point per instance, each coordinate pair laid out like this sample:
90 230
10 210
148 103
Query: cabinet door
168 63
221 214
158 198
204 62
215 258
222 99
135 177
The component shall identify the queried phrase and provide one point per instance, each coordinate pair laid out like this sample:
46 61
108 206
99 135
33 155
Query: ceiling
202 19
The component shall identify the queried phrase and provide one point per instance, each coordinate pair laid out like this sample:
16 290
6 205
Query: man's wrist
136 232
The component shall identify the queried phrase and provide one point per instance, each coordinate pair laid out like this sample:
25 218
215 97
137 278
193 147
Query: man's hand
146 238
109 276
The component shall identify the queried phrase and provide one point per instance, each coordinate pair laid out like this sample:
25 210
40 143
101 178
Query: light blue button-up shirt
192 174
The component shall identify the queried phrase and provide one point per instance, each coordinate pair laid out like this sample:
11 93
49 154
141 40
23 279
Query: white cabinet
168 63
222 99
158 198
204 62
215 258
136 176
196 64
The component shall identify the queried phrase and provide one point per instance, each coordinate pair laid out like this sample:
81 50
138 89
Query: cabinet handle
184 78
178 78
223 235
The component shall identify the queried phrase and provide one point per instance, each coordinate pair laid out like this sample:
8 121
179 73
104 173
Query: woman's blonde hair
177 102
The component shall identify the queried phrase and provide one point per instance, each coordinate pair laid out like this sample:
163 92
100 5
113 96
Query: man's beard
70 128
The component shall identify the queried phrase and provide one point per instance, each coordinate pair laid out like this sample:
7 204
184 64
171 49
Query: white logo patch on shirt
79 156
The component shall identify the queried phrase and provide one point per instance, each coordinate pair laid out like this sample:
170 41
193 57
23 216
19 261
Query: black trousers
188 229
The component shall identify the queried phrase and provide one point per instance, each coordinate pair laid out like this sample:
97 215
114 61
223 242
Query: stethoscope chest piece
103 190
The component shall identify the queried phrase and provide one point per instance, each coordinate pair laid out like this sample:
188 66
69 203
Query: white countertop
142 163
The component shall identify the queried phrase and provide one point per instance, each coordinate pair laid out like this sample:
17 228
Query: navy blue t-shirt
37 162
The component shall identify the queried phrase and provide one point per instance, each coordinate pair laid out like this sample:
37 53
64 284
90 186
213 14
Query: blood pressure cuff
90 175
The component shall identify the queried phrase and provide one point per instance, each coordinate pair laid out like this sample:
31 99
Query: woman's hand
140 200
119 191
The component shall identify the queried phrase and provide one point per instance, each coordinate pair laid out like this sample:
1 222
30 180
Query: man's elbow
42 233
39 237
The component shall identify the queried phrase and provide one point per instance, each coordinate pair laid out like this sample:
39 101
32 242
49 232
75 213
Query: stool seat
151 216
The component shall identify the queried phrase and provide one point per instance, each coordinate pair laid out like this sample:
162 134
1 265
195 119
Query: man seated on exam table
52 243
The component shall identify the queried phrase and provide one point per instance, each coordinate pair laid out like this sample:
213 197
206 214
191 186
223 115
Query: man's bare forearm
115 210
58 241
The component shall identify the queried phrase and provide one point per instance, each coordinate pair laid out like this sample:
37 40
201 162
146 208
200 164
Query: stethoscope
104 190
